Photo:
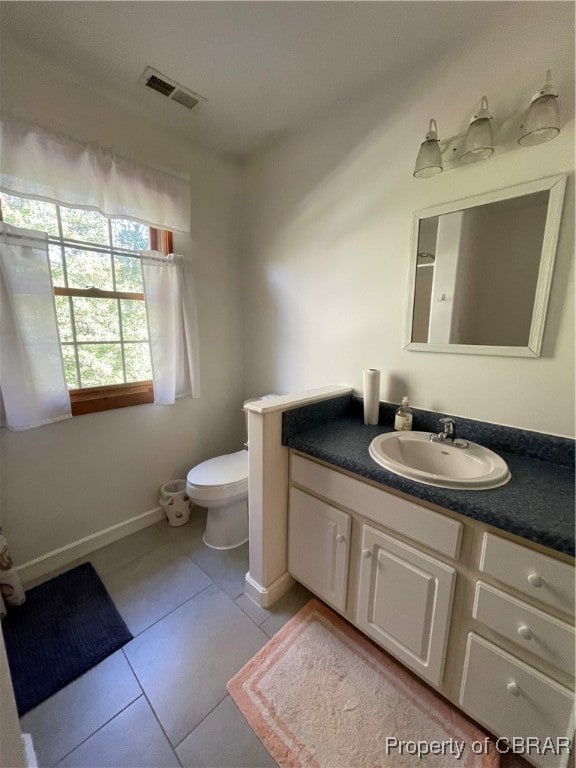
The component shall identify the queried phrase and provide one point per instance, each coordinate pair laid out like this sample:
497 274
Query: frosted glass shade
429 160
478 144
542 121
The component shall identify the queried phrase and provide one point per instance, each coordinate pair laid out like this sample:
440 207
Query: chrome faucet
448 433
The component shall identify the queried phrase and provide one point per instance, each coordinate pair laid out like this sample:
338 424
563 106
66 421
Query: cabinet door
318 546
405 601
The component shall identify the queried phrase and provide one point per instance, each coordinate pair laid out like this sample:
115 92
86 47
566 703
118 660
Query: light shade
542 122
429 160
479 142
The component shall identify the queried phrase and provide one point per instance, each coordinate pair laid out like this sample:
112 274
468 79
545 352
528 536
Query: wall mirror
481 270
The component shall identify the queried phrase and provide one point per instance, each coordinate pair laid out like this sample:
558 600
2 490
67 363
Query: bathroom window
97 278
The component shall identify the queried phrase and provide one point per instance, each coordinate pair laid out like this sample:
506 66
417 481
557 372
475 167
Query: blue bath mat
65 627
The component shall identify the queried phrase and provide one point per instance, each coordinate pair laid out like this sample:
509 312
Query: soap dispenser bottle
403 418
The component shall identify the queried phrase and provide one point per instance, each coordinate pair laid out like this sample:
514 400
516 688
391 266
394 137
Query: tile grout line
201 721
145 695
141 555
56 764
139 634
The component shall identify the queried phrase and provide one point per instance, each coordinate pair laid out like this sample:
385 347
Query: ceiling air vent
184 98
155 80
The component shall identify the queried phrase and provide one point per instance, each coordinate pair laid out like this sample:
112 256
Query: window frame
112 396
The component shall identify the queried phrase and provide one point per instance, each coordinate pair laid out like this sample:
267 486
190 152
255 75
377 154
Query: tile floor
161 701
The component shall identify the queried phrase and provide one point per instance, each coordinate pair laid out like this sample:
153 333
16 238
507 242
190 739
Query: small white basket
175 502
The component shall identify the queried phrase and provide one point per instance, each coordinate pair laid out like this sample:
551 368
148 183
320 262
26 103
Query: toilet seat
220 478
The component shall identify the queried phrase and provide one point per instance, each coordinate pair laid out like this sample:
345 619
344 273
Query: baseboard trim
265 597
51 561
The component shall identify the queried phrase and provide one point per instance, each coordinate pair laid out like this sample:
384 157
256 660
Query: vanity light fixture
429 160
542 122
479 143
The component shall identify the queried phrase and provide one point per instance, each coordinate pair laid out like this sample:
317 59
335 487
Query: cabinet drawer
512 699
532 573
543 635
443 534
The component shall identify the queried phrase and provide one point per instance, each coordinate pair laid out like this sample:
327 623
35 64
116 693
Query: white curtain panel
172 325
32 380
41 164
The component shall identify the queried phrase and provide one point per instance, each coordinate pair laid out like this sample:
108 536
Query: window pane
56 265
137 357
96 319
63 316
134 324
128 274
130 234
70 366
100 364
88 269
30 214
87 226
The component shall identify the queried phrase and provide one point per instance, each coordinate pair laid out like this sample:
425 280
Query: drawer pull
366 554
513 688
340 538
535 580
525 632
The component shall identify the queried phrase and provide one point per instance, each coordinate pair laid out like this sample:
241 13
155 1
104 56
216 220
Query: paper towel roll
371 395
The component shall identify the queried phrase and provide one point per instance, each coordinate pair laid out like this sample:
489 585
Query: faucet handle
449 425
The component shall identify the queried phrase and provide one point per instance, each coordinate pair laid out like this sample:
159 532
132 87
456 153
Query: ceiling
264 67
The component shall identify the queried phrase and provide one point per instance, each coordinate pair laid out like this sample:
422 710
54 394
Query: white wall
69 480
329 208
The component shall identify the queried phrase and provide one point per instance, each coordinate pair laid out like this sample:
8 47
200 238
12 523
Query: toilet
221 486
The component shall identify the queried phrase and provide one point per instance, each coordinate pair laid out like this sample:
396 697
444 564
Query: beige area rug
320 695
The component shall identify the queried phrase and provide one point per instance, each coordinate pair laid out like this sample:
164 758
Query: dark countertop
538 502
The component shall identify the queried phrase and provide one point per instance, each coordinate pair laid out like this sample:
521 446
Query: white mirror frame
556 185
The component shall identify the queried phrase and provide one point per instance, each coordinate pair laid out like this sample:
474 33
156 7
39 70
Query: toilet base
227 526
230 546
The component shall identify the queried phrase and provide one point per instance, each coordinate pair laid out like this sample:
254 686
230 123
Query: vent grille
160 85
158 82
186 99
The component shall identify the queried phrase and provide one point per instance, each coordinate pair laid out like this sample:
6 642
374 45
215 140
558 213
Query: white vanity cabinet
398 594
404 601
482 617
318 547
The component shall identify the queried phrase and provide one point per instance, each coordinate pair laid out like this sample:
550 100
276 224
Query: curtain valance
37 163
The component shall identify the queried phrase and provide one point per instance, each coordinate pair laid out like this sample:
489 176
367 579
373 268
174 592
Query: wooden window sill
94 399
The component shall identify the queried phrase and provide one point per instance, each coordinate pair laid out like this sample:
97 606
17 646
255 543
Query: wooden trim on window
94 399
161 240
97 293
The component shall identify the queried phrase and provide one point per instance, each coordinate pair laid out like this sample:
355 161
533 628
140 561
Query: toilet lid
222 470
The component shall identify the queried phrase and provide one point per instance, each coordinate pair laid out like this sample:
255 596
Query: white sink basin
415 456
